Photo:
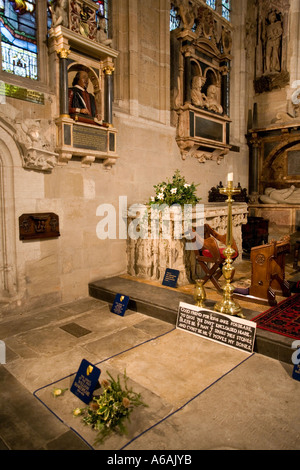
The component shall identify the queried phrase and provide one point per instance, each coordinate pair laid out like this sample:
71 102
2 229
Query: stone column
63 82
225 91
108 99
253 168
187 78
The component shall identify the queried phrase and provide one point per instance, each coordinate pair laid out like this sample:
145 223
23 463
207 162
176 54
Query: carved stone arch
95 82
275 165
212 77
280 149
208 46
10 158
196 68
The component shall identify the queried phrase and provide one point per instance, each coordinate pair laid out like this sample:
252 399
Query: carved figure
273 37
196 95
59 12
281 196
101 35
211 100
187 12
82 106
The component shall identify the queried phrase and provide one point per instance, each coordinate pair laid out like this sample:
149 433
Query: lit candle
230 177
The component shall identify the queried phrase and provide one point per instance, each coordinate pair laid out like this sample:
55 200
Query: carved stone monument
200 49
84 62
267 43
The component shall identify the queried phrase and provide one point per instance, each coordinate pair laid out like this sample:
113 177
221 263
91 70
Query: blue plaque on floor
86 381
296 372
120 304
170 277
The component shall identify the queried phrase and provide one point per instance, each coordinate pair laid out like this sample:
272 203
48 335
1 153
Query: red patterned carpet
283 319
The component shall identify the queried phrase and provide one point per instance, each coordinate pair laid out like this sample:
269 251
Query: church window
211 3
222 7
19 46
104 10
103 7
226 9
174 18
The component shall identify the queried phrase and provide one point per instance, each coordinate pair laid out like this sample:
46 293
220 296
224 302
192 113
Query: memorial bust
196 93
82 106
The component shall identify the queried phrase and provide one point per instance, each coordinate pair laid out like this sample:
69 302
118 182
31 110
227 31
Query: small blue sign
86 381
120 304
296 372
170 277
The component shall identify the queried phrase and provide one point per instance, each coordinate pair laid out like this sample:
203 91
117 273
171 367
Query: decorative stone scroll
34 141
149 257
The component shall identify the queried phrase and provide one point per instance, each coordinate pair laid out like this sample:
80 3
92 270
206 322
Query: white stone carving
149 257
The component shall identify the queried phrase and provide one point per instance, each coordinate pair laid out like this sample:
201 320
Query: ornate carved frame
200 49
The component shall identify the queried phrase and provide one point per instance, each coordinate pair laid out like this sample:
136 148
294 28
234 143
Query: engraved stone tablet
89 138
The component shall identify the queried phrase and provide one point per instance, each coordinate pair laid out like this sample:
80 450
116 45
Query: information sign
226 329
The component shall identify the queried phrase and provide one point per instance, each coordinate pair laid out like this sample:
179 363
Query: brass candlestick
199 293
227 304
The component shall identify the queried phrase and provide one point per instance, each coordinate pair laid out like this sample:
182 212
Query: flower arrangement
107 412
177 191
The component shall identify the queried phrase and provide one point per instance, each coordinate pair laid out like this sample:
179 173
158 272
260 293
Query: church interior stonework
111 110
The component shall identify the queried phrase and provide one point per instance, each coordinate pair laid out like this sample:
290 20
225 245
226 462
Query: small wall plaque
38 226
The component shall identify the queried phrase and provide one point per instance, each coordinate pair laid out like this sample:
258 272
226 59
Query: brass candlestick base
199 293
227 305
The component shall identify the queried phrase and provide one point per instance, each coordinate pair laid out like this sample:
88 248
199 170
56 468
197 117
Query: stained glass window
103 7
211 3
103 11
226 9
174 19
19 37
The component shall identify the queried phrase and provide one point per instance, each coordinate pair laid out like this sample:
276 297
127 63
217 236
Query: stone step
163 304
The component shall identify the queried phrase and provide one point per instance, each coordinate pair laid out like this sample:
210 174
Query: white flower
77 412
174 190
152 198
187 185
160 196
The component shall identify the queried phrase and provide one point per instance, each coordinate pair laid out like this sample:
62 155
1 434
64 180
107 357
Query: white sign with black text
226 329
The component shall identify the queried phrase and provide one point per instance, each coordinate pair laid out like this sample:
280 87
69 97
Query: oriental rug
283 319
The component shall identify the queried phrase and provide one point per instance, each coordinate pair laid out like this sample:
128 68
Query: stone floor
201 395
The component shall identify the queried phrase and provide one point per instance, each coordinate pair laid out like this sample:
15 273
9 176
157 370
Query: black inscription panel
208 129
89 138
225 329
294 162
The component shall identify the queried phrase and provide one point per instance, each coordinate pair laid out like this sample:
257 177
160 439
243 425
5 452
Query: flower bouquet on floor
108 412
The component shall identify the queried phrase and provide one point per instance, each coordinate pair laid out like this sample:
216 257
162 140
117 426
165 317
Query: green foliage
177 191
108 412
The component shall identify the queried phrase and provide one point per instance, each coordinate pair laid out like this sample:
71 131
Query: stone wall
46 272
